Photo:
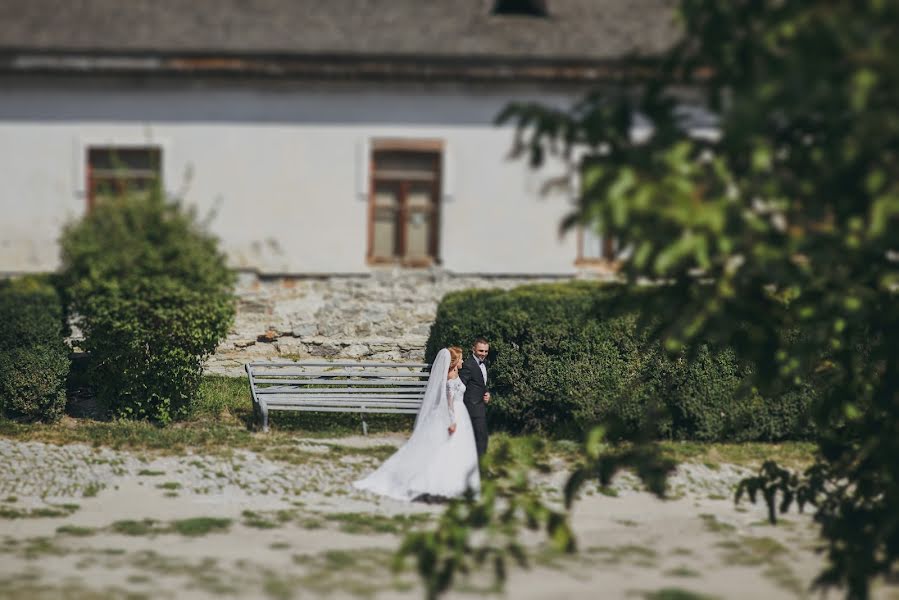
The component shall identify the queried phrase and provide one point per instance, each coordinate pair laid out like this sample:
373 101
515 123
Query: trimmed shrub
567 356
153 296
34 359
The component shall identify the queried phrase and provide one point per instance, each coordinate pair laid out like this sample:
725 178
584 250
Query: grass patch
364 523
169 485
629 553
136 528
254 519
682 572
763 551
91 490
209 435
750 454
363 573
44 512
675 594
200 526
782 576
607 491
193 527
76 531
277 587
150 473
223 398
7 512
49 512
311 523
754 551
714 525
40 546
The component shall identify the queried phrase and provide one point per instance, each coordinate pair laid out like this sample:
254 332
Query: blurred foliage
485 530
153 297
34 360
565 357
785 220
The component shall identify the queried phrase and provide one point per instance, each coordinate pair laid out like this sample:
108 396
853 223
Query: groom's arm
465 373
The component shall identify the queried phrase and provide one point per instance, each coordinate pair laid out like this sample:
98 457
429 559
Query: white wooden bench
363 387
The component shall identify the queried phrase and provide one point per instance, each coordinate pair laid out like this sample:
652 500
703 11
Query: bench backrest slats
361 373
365 387
338 364
353 382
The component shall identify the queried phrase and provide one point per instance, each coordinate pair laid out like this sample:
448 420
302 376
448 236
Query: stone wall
385 315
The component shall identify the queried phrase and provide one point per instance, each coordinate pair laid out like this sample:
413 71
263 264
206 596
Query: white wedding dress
432 462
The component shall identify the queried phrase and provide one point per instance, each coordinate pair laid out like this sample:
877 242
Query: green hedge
34 360
566 356
153 297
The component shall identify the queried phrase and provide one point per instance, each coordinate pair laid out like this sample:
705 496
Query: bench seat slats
353 382
348 407
347 390
349 398
337 364
378 410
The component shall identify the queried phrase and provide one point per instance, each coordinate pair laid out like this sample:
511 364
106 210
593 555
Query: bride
440 458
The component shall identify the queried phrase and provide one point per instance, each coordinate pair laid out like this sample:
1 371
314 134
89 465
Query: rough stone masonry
385 315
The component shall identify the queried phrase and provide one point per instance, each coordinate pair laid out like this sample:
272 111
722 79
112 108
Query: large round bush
153 296
34 360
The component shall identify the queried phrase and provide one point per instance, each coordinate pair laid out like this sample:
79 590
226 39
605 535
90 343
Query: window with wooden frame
113 171
404 202
592 246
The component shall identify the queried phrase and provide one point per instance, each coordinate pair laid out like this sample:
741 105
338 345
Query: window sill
599 264
423 263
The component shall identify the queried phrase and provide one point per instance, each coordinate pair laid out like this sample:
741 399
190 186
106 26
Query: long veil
399 474
435 393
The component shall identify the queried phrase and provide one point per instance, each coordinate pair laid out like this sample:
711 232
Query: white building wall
279 166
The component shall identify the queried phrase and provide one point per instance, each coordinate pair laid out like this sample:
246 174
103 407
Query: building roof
339 32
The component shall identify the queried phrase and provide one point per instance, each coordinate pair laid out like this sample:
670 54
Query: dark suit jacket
471 377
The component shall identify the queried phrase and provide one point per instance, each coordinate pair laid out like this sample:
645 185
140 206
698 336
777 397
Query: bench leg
364 427
263 412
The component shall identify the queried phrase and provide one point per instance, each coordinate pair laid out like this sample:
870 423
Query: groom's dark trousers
473 379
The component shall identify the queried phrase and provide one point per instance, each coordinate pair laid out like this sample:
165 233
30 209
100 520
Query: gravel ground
83 522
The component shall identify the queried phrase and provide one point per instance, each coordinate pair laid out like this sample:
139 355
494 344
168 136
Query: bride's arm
452 411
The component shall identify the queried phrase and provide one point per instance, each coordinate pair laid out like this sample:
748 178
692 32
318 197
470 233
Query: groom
473 375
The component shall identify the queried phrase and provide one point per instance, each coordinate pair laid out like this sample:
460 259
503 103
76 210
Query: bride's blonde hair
455 355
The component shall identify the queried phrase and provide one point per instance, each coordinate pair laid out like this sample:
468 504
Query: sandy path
311 535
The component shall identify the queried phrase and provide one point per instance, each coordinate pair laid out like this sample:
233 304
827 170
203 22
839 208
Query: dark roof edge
321 66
